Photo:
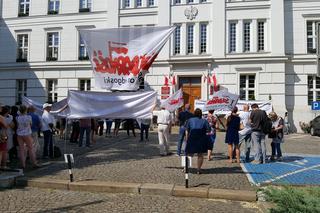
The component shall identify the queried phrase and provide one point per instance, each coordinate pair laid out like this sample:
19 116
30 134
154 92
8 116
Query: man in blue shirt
183 117
35 127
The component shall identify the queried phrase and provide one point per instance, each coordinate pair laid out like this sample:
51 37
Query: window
177 2
189 1
177 40
150 3
260 36
139 3
52 90
22 48
21 91
85 6
83 54
52 46
203 38
246 36
202 1
313 89
311 36
232 37
190 39
84 84
126 3
24 7
247 87
54 6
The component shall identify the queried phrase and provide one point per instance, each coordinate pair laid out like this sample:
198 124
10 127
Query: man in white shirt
245 132
164 125
47 129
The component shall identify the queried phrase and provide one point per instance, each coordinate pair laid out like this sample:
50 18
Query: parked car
315 126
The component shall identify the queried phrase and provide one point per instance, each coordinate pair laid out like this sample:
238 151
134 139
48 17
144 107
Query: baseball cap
46 105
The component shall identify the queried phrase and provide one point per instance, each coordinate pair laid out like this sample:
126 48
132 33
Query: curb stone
139 188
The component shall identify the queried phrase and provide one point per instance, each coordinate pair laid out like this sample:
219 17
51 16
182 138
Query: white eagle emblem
191 12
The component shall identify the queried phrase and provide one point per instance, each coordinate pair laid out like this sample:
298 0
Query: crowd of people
20 128
197 134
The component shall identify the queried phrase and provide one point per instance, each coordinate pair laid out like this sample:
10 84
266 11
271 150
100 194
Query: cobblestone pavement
44 200
124 159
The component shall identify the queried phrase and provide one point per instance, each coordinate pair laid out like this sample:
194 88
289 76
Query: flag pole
208 85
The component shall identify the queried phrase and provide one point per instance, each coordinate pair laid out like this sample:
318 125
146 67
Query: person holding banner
47 128
232 135
196 137
164 125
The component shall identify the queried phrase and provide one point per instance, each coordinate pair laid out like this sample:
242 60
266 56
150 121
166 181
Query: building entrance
191 87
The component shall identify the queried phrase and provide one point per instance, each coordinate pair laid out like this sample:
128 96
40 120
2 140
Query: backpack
266 125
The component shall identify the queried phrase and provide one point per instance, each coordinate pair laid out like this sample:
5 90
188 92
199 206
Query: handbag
3 136
241 127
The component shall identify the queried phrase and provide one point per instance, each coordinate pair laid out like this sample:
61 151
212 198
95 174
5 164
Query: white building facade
260 49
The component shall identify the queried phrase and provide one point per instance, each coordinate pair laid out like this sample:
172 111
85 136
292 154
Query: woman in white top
24 136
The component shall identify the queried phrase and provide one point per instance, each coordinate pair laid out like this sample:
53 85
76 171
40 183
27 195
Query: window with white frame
24 7
177 1
85 6
83 54
189 1
22 47
311 36
138 3
126 3
203 38
52 90
313 89
247 87
190 39
177 39
21 89
84 84
52 46
261 35
246 36
150 3
54 6
232 36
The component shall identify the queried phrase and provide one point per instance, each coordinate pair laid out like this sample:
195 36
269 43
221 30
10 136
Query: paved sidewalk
124 159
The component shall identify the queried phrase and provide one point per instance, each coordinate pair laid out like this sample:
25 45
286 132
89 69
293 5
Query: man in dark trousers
183 117
257 117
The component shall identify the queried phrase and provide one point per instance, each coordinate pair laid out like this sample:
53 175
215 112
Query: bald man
183 117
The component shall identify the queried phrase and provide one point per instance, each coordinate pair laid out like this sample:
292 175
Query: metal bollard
69 160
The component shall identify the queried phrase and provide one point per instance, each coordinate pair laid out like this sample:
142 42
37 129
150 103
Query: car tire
312 131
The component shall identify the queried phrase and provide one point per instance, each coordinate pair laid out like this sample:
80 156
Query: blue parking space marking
293 170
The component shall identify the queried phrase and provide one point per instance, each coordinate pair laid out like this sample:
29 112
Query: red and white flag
173 81
215 85
166 81
120 57
174 102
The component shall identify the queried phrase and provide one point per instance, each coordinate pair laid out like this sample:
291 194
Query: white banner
111 104
263 105
56 108
222 100
120 57
174 101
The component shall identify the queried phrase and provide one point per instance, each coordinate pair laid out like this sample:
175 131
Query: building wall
281 70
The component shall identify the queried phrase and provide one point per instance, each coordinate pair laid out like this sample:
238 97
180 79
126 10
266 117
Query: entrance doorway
191 87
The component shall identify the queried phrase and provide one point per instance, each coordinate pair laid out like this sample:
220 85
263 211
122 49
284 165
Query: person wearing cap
47 129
